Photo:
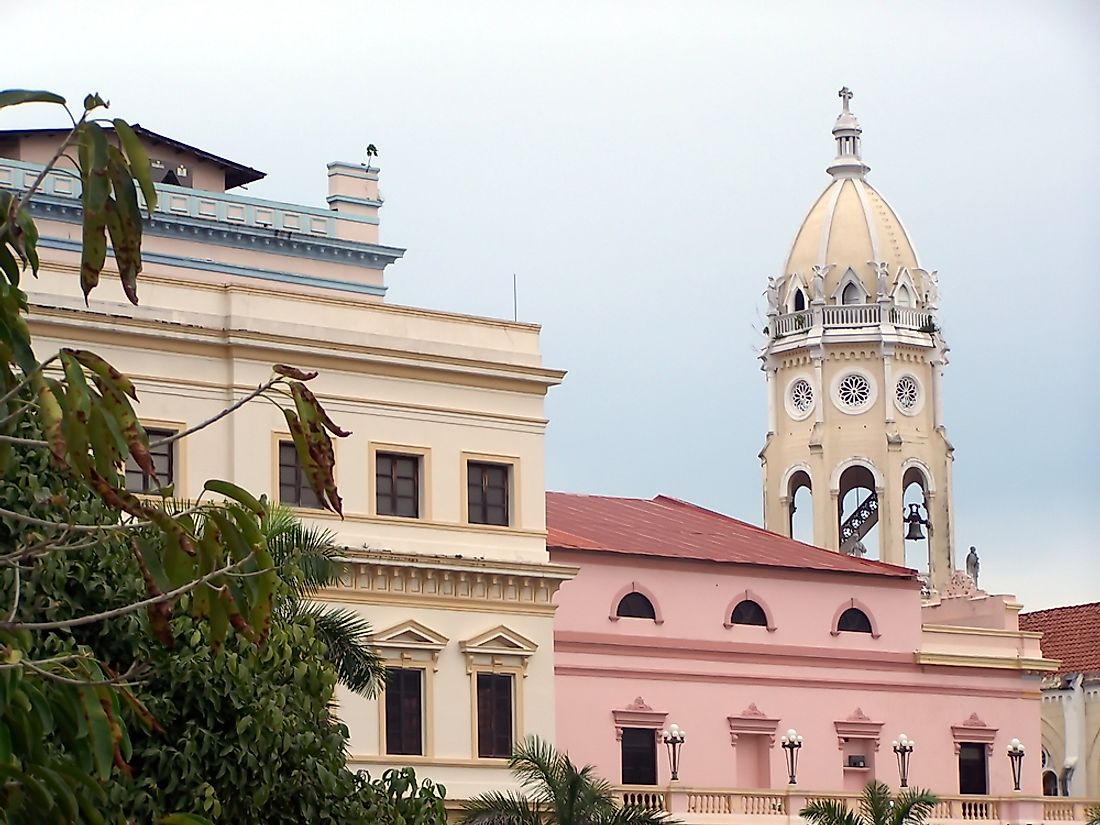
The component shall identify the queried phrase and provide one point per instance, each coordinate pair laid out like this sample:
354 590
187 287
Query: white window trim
872 395
788 403
918 407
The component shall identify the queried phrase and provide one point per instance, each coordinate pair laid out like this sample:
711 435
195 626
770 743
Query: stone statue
931 289
773 296
858 549
882 273
973 565
819 282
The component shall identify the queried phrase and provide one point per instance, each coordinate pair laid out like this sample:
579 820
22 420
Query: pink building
680 615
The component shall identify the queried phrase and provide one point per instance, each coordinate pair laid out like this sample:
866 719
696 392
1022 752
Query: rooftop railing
852 316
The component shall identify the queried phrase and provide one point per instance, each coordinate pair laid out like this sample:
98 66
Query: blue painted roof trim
230 269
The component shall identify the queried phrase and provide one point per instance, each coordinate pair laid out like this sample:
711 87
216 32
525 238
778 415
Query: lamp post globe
791 743
903 750
673 737
1016 758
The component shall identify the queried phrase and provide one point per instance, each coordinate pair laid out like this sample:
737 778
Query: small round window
853 391
800 399
907 395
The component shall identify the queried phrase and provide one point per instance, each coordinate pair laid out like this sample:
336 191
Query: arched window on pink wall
635 601
854 617
748 609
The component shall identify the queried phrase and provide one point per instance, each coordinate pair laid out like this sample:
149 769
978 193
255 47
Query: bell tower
853 359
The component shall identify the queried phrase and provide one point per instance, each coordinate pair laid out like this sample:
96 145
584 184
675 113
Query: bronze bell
914 533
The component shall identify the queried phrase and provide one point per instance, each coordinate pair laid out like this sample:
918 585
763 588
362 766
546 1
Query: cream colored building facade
233 284
853 361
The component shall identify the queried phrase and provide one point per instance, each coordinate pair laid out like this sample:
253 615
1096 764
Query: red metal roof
675 529
1070 634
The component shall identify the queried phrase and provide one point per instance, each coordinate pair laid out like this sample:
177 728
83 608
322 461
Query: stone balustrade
851 316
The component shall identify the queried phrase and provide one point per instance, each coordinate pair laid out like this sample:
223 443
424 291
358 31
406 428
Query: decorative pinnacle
846 95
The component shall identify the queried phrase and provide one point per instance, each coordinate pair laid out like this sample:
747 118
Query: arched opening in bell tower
857 516
914 490
800 513
799 302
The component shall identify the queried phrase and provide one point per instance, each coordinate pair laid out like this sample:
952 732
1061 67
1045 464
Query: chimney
353 189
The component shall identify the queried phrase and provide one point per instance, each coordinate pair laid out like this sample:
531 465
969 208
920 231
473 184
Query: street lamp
903 749
674 740
791 742
1016 757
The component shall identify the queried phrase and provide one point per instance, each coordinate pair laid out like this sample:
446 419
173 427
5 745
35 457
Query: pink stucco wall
700 672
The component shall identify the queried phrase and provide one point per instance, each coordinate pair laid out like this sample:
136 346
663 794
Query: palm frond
634 815
538 766
876 803
307 555
829 812
913 806
498 808
346 634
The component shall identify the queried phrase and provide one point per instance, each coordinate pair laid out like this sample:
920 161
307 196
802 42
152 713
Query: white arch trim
794 468
920 465
856 461
850 279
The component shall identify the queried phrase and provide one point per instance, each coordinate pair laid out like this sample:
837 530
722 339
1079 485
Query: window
404 711
164 464
854 620
397 485
903 297
851 295
749 612
973 769
487 493
293 484
494 715
799 300
635 606
639 754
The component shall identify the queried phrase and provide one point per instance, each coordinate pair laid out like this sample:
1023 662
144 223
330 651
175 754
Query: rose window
907 392
854 391
802 395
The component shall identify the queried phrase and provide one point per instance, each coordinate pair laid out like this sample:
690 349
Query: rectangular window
404 711
639 750
164 462
494 715
293 484
397 485
487 493
973 769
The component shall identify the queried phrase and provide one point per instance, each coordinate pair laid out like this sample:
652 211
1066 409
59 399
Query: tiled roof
675 529
1070 634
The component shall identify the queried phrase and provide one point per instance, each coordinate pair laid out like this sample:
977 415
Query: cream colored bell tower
853 360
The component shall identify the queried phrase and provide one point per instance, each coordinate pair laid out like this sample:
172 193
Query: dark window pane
973 769
397 485
293 482
404 711
635 606
639 754
163 458
487 493
854 620
749 612
494 715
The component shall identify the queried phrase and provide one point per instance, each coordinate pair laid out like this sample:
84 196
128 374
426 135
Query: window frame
649 735
424 480
652 609
848 611
384 722
755 604
156 430
512 465
516 672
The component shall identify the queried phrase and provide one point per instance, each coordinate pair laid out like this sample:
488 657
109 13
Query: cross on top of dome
846 131
846 95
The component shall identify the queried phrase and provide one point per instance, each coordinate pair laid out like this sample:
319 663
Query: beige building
442 477
853 360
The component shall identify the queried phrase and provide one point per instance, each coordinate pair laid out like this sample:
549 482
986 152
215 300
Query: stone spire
846 131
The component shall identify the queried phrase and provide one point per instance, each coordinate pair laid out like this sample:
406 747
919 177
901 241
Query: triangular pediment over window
409 641
499 646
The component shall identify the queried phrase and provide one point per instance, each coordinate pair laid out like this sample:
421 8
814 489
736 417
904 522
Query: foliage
555 791
1092 815
876 807
182 576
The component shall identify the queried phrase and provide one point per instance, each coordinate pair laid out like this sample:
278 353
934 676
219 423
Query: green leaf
14 97
9 265
63 796
230 490
184 819
99 732
93 102
139 163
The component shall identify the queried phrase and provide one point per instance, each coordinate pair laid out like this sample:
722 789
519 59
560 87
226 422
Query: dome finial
846 95
846 131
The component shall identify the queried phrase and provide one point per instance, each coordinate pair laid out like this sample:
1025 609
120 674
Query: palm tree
1092 815
876 807
556 792
309 560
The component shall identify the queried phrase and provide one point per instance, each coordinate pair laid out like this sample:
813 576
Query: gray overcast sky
642 168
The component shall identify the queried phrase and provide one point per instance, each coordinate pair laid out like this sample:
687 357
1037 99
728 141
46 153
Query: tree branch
26 196
15 598
27 377
130 608
78 528
260 390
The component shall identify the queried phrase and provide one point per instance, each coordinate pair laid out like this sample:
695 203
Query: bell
914 533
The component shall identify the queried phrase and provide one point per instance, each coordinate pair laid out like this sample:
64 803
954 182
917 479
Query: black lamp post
1016 757
674 740
903 749
791 742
